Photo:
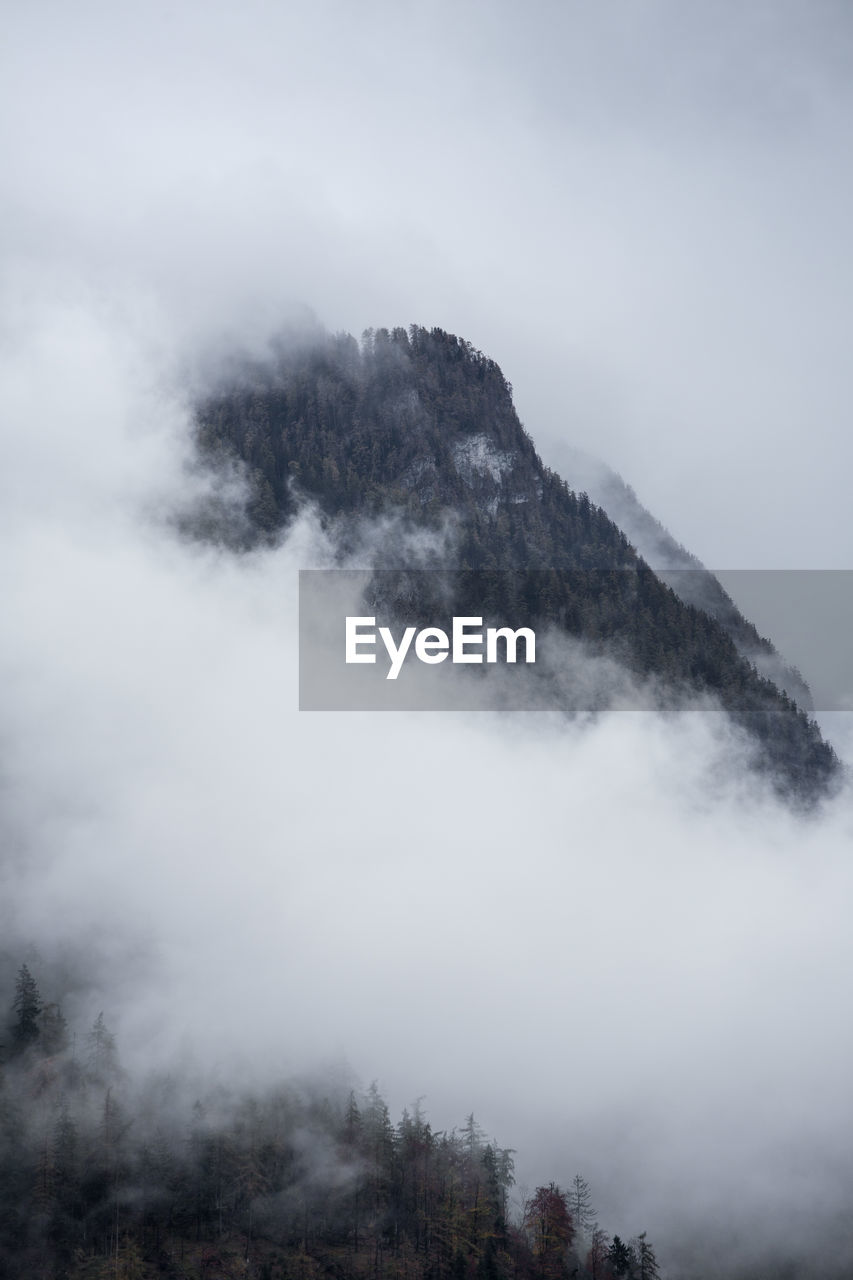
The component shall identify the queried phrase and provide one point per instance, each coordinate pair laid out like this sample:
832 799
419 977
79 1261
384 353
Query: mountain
678 568
419 424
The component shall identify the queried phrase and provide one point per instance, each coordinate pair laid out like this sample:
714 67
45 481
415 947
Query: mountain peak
420 423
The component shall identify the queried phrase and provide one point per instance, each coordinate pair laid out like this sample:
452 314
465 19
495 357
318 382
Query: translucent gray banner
808 615
375 640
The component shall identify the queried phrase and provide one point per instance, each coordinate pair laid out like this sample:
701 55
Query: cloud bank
603 938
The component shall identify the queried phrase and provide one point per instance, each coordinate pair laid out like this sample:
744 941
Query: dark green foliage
421 425
620 1257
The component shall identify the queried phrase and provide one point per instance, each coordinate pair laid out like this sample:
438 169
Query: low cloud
605 938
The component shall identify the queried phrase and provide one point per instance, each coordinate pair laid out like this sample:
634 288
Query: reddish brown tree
548 1222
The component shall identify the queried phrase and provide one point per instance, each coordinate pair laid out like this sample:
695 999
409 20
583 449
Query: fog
641 213
607 940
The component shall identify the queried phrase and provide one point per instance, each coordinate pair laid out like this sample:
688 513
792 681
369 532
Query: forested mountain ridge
421 424
105 1176
678 568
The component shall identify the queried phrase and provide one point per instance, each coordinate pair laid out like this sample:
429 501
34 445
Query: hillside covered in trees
102 1175
420 426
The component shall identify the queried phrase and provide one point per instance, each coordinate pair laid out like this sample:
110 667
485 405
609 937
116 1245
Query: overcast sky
611 943
642 211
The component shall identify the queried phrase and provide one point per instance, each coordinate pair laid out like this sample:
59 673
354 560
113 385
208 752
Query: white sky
642 211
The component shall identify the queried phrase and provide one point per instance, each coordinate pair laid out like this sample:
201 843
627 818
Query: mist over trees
103 1175
419 424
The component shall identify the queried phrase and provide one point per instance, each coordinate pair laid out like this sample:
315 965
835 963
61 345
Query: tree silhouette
27 1006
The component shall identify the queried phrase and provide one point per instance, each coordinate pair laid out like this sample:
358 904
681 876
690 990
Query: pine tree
64 1226
54 1030
619 1257
647 1263
472 1136
580 1203
27 1006
102 1058
65 1148
352 1122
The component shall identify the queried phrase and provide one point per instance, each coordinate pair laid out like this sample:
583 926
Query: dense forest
420 425
102 1175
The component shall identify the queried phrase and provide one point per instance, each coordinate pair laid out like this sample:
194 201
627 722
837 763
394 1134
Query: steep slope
420 423
674 565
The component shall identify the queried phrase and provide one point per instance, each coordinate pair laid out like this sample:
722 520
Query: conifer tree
620 1257
647 1264
53 1030
102 1058
580 1203
27 1007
